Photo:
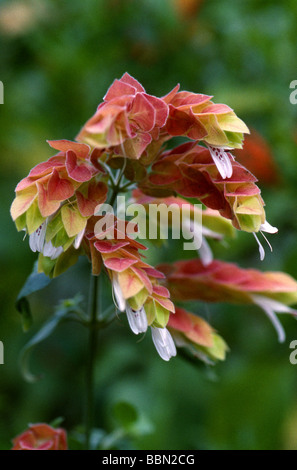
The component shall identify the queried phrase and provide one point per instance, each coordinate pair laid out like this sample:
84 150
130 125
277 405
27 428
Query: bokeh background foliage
57 60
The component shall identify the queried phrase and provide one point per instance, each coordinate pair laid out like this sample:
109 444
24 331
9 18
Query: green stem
127 186
92 324
117 186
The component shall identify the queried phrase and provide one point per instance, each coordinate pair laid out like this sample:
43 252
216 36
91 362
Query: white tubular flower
271 307
221 160
78 239
51 251
137 319
118 297
36 239
266 227
205 253
37 243
163 343
199 233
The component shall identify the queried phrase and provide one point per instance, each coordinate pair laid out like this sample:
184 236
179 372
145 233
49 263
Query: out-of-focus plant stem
92 347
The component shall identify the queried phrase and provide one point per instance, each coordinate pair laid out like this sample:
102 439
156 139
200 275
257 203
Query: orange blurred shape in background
187 8
257 157
18 17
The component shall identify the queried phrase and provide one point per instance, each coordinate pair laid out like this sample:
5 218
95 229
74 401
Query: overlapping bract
214 224
135 283
54 202
198 118
60 179
189 170
226 282
128 119
190 220
194 333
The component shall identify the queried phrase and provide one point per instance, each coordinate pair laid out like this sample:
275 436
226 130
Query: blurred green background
57 60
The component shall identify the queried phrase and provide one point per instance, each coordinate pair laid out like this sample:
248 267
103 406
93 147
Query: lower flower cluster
41 437
135 284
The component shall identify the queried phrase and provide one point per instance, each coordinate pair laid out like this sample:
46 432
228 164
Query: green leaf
23 307
56 423
66 308
35 282
125 414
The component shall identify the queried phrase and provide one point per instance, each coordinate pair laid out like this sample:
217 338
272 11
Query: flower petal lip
205 253
120 302
78 239
37 243
137 319
261 249
36 239
164 343
271 307
51 251
222 161
266 227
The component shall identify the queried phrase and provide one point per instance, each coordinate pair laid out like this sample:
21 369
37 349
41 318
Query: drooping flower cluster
190 171
54 202
227 282
123 146
135 284
195 334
